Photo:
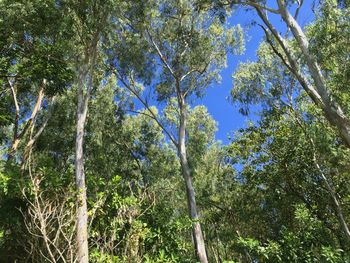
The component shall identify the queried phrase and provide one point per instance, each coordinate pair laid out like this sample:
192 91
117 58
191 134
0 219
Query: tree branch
33 139
269 40
311 91
256 5
161 56
14 96
145 104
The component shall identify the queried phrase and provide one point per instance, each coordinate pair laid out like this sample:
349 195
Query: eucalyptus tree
90 23
268 83
304 53
303 56
294 142
185 46
287 191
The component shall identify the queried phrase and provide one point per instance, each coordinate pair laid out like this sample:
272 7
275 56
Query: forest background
174 131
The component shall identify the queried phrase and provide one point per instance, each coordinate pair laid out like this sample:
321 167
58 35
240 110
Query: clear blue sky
216 97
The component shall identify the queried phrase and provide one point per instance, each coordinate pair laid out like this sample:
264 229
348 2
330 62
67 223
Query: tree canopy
108 153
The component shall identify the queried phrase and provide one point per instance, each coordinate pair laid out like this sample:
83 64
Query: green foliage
194 44
33 52
330 44
262 198
266 82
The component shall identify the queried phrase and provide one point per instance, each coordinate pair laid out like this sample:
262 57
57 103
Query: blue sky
216 97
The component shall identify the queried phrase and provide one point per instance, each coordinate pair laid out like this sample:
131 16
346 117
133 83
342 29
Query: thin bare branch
145 104
259 6
161 56
33 139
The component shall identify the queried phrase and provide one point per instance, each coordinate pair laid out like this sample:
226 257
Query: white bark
197 233
332 111
17 136
191 199
85 85
82 217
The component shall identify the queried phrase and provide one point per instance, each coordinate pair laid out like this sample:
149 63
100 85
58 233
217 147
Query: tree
33 64
286 191
287 111
152 184
276 87
90 21
190 47
319 89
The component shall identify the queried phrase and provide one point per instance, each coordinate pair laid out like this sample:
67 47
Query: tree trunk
191 199
15 140
82 217
33 139
85 85
333 112
17 136
338 208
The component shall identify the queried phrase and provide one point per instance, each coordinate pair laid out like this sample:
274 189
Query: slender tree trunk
338 208
85 86
82 217
15 140
33 139
191 199
17 136
333 112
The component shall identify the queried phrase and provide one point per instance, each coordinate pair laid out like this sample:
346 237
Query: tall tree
268 83
89 19
190 47
314 80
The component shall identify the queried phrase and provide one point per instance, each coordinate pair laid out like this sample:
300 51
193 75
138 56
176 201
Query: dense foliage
279 191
